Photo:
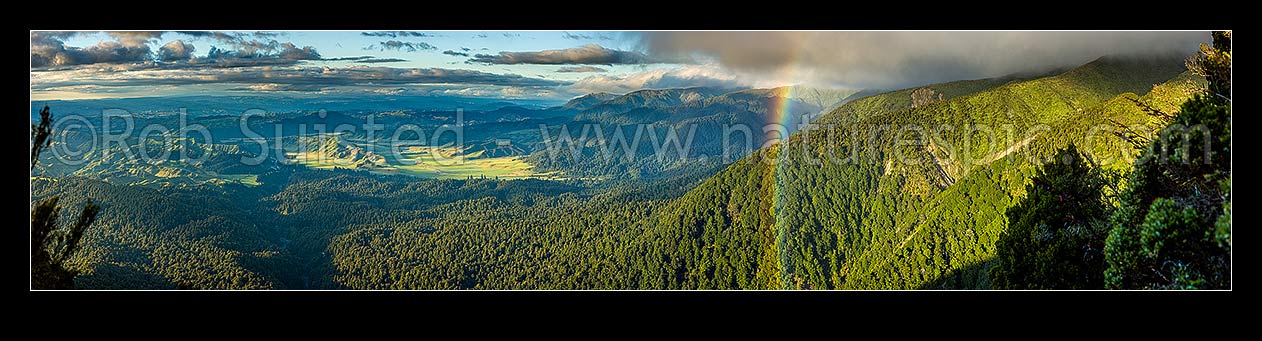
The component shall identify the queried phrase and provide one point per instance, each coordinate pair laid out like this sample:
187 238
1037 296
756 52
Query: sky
549 64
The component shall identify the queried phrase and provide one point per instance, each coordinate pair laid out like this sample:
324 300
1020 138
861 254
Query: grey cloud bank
894 59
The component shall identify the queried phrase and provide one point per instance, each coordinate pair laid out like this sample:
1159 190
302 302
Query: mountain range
871 189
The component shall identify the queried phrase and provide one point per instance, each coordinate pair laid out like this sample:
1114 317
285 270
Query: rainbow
786 112
782 114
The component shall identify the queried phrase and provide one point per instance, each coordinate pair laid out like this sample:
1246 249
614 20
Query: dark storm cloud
587 54
893 59
455 53
396 34
580 69
401 46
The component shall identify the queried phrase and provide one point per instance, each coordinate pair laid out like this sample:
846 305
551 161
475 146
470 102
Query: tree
1214 63
1173 227
925 96
39 135
51 246
1055 235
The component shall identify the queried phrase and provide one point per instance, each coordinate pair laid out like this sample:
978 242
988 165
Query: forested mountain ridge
768 220
587 101
651 98
659 126
825 99
928 220
168 238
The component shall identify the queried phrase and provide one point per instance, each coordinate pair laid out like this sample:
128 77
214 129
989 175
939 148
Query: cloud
283 52
366 59
268 87
266 49
581 36
580 69
291 52
492 91
381 60
897 59
455 53
389 91
126 65
348 58
292 76
679 77
396 34
135 38
175 50
248 48
219 59
587 54
401 46
49 50
220 36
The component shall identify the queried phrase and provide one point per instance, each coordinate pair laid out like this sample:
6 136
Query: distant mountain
276 103
588 100
897 212
664 97
496 105
826 99
643 99
660 114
